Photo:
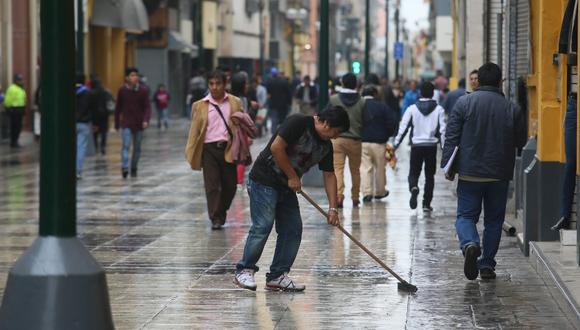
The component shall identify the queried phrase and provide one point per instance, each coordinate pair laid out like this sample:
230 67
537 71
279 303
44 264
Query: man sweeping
300 143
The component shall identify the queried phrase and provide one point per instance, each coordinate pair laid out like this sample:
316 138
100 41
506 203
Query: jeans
137 137
470 196
83 131
420 155
162 117
569 183
270 205
277 116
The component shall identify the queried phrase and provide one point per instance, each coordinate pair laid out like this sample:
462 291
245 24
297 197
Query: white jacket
425 119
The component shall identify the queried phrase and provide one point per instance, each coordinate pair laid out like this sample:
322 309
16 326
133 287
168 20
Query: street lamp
294 15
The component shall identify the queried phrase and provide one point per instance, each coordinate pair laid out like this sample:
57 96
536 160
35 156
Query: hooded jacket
426 120
351 101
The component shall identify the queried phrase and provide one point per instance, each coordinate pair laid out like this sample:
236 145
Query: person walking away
378 127
300 143
132 115
102 104
349 143
279 98
426 120
209 146
83 121
307 97
161 100
487 129
452 97
261 97
15 107
411 96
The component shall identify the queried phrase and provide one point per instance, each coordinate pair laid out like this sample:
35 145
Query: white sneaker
245 279
284 283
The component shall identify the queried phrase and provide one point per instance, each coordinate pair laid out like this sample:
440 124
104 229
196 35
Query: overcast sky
415 11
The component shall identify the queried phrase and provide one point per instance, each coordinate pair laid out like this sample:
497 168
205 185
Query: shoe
355 202
413 200
216 226
382 196
125 172
561 224
339 202
133 172
472 252
245 279
367 199
427 208
487 274
284 283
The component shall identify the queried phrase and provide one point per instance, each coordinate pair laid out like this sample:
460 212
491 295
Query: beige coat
194 147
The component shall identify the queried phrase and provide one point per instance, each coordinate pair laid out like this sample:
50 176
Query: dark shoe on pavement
487 274
563 223
413 200
133 172
355 202
470 270
382 196
340 201
367 199
125 172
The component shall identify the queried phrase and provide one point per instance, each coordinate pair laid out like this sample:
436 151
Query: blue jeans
470 196
162 117
137 137
83 132
277 116
270 205
569 183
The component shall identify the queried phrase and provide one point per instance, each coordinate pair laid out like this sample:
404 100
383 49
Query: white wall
444 28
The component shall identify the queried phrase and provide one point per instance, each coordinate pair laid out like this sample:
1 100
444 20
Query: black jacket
379 122
280 93
83 110
313 93
488 129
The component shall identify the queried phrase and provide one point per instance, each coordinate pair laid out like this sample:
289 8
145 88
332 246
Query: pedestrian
307 97
279 98
452 97
486 128
198 87
378 126
259 94
83 121
349 143
102 104
300 143
15 107
161 99
209 146
473 80
411 96
426 120
132 114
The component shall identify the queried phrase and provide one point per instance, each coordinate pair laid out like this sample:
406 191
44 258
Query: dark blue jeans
270 205
470 196
569 183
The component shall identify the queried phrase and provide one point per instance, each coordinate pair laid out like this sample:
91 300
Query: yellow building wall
109 57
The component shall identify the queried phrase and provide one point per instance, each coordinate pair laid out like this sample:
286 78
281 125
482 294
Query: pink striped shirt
216 129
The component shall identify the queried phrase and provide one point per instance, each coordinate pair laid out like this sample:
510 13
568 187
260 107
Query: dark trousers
102 124
15 115
219 179
420 156
569 183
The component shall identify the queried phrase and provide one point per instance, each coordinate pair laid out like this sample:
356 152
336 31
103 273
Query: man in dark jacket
132 115
452 97
83 119
487 129
279 98
307 97
378 126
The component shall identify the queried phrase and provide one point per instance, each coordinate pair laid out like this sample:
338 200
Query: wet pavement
166 269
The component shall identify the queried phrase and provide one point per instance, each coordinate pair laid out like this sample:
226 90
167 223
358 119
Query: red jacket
133 107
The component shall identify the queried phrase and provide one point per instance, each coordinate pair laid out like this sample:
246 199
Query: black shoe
339 203
355 202
133 172
470 270
561 224
382 196
487 274
125 172
367 199
413 200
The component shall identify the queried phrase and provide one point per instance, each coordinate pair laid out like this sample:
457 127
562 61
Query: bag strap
224 119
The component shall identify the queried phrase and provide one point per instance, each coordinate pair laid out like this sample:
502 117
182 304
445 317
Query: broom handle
344 231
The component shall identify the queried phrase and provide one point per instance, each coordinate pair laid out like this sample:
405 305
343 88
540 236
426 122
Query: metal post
397 35
292 46
80 37
367 38
323 55
387 40
57 281
262 41
199 32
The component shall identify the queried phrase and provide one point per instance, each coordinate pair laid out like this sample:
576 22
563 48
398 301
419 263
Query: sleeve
326 164
403 127
442 126
453 130
292 128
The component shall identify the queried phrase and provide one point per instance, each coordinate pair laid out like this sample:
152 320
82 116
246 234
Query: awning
123 14
177 43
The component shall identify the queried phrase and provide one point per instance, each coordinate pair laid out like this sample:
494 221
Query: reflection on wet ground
167 270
